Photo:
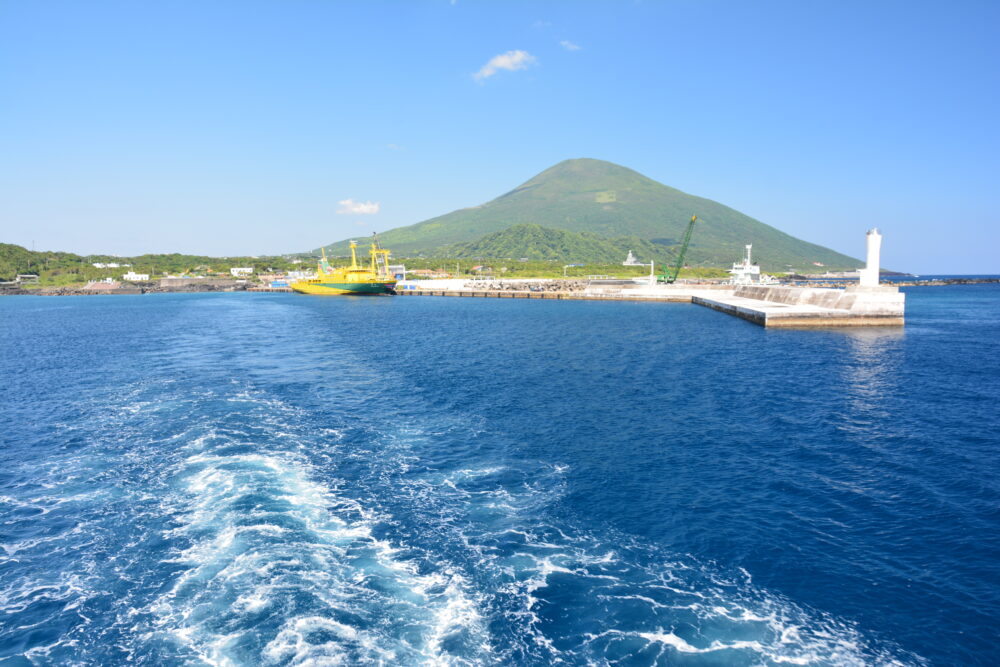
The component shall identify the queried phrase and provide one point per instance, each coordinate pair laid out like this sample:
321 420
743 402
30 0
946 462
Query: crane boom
671 277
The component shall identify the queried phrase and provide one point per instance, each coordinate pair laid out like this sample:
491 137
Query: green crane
671 277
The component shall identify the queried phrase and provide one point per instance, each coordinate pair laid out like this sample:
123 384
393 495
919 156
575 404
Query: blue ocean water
243 479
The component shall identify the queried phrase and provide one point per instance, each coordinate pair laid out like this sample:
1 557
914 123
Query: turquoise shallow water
242 479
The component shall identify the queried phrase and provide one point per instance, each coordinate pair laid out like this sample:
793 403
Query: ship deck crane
672 276
379 258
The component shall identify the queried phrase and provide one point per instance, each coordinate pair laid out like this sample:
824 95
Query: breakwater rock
802 281
528 286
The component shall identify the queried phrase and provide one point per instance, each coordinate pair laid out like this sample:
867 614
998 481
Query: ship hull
330 287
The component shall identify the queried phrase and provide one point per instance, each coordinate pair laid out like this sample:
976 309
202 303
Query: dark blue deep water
243 479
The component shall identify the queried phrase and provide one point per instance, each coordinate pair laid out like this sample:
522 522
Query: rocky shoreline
131 289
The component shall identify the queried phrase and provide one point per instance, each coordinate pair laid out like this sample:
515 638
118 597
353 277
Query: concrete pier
570 296
864 304
802 307
854 306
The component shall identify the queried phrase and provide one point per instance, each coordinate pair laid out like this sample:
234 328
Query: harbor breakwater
765 305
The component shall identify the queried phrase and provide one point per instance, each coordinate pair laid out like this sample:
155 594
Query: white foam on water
295 644
68 588
264 545
458 615
567 595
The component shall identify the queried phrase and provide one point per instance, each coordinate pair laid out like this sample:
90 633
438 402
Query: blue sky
231 128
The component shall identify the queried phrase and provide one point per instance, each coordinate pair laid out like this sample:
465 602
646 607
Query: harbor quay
866 303
810 307
748 294
801 307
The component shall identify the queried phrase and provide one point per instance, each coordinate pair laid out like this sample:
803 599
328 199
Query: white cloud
349 206
511 61
394 147
569 46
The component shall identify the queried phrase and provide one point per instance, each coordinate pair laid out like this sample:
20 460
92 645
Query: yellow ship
354 279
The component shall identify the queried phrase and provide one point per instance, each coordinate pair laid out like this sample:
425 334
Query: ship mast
354 255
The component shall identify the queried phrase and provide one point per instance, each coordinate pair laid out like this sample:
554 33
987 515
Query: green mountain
609 201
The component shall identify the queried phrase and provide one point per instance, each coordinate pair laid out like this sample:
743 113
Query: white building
132 275
241 271
631 260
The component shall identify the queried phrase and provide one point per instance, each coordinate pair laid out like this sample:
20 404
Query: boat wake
244 532
569 596
274 566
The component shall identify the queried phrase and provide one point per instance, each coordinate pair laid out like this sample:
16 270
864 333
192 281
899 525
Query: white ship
748 273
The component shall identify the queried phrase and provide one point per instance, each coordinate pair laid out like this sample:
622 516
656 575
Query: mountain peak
582 178
609 201
586 170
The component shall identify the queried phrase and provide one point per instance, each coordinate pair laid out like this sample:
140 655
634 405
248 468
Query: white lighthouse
869 274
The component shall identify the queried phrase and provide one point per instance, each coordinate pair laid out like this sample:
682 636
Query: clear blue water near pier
239 479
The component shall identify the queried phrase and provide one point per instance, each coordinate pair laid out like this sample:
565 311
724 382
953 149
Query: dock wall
858 301
569 296
800 307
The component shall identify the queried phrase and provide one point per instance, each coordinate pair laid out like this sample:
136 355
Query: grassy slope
608 200
504 267
542 243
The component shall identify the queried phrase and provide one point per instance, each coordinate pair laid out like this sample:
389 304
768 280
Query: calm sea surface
243 479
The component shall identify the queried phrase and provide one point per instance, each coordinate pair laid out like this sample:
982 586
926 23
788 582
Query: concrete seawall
882 301
801 307
769 306
811 307
573 296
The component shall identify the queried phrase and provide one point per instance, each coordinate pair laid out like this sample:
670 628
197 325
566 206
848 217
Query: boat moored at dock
375 278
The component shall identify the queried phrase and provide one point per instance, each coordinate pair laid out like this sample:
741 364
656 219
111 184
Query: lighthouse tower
869 274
